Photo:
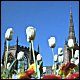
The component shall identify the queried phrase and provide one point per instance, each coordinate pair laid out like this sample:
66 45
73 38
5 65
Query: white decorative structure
71 45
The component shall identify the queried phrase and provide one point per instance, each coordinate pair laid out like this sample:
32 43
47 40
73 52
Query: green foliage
76 69
35 75
5 73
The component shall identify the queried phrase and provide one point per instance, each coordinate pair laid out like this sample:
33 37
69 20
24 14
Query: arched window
22 64
25 63
48 71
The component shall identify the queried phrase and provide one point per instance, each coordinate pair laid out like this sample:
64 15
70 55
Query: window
25 63
22 64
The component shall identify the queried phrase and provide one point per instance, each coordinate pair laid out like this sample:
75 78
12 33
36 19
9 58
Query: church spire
38 48
71 28
17 40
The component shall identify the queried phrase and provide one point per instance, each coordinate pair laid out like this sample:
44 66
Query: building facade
67 50
12 54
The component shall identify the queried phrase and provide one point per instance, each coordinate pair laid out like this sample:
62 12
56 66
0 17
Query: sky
50 18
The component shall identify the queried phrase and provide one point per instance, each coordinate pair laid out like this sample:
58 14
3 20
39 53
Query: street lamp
52 44
31 33
8 37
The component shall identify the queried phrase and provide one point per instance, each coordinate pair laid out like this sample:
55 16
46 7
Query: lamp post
71 45
8 37
51 42
31 32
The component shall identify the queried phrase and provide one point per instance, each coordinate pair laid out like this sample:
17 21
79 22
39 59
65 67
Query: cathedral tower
67 50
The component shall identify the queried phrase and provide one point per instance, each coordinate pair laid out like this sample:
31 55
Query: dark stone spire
65 42
38 48
71 28
17 40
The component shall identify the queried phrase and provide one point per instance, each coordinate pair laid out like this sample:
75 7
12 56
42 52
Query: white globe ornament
31 32
51 42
